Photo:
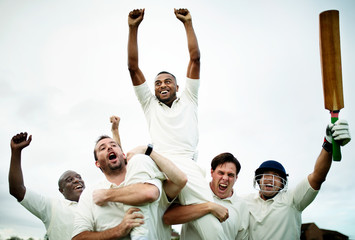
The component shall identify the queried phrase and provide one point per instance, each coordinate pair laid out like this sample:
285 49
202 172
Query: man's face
166 88
109 156
223 179
270 184
71 185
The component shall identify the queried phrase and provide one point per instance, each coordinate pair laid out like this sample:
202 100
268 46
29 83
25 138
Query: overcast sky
63 73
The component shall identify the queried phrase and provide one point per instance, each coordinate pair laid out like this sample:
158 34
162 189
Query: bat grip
336 147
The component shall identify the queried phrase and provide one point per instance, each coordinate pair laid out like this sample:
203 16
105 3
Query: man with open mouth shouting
275 211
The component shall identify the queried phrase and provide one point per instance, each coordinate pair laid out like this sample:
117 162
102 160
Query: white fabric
174 134
235 227
172 130
142 168
164 231
91 217
279 217
56 214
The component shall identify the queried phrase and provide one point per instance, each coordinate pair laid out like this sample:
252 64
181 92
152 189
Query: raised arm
16 183
340 132
179 214
177 179
135 17
131 219
114 129
193 69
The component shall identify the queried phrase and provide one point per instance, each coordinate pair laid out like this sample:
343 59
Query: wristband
149 150
327 146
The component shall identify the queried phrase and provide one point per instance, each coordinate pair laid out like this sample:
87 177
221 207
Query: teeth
223 185
163 92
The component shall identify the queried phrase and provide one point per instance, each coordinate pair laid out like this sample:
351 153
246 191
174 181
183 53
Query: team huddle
152 187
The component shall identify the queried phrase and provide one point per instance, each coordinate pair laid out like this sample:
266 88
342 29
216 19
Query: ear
211 172
60 190
97 164
177 88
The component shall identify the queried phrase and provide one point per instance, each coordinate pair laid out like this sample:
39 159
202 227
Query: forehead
164 76
69 174
227 167
105 141
271 172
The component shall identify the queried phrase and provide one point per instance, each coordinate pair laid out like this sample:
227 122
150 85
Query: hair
165 72
61 179
224 158
98 140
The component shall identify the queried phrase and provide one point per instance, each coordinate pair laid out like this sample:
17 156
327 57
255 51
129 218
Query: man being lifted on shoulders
172 120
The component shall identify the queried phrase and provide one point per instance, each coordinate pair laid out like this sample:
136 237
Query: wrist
328 146
149 150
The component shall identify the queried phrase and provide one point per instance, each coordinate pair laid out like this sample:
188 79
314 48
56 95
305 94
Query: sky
63 73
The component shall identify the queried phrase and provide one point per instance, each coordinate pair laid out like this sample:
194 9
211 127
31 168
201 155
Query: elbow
151 196
195 56
167 220
17 192
183 182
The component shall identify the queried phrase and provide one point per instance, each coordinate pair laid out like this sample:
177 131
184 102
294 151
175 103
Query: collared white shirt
279 217
91 217
236 226
56 214
173 131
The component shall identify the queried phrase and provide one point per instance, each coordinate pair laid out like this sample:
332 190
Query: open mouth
222 187
164 92
112 156
78 187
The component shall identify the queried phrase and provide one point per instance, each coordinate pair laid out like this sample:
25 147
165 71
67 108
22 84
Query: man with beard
56 214
101 213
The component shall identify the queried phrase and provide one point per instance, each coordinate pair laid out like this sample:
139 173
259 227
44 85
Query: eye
69 180
231 175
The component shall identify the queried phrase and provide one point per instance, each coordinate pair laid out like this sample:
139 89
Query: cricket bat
329 39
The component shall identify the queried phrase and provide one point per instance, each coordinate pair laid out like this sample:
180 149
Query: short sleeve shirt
56 214
279 217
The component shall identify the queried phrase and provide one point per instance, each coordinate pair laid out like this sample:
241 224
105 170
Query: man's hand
182 14
20 141
135 17
98 196
339 131
136 150
131 219
115 122
219 211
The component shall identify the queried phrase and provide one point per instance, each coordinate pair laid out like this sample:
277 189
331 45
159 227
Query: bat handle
336 147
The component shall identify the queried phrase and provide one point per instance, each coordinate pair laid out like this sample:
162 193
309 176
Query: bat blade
331 60
329 36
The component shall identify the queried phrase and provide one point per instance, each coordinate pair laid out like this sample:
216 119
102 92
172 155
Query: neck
116 177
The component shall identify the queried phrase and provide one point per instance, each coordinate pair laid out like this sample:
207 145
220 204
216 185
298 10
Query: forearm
174 173
133 48
180 214
16 182
135 194
321 169
192 43
110 234
116 136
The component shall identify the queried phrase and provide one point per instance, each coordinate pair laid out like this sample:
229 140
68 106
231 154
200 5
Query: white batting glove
339 131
